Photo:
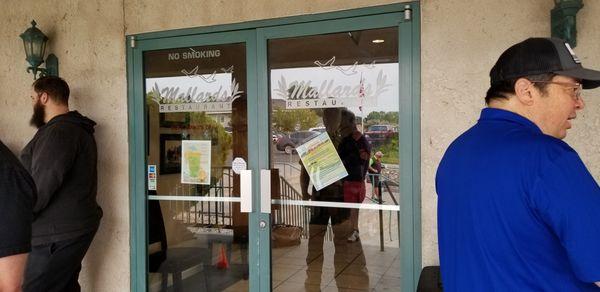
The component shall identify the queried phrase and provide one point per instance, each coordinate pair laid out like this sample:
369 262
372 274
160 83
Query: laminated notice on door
321 161
195 162
152 177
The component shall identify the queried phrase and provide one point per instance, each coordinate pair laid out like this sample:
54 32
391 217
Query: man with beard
17 194
61 158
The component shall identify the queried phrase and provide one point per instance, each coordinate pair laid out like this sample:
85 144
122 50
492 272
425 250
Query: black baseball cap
539 56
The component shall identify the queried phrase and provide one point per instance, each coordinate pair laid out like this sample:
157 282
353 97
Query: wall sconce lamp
34 41
563 20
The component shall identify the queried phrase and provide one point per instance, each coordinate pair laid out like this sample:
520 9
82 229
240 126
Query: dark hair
56 88
502 89
330 111
348 116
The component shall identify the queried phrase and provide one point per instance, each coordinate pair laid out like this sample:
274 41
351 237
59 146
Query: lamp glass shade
34 42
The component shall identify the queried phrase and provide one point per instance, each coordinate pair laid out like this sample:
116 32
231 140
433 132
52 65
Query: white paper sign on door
238 164
195 162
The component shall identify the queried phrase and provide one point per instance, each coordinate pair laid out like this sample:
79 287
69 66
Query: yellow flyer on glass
195 162
321 161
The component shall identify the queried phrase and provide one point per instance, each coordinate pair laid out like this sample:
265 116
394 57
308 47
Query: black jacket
17 196
62 160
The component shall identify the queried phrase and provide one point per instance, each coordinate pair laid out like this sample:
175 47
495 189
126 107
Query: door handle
265 191
246 191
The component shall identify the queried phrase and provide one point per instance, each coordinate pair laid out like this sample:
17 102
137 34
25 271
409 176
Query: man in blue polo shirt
517 208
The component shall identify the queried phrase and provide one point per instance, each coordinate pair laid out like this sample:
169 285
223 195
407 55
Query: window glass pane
334 105
196 125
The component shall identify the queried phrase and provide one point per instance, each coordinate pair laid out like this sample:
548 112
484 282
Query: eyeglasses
575 87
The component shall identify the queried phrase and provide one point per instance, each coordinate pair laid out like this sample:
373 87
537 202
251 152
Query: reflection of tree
203 127
151 98
381 117
390 150
390 146
286 120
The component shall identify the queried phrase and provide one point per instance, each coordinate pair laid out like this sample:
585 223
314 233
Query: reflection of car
289 143
318 129
380 133
275 136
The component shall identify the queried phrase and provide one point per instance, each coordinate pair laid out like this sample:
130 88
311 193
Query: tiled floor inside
353 267
332 264
351 270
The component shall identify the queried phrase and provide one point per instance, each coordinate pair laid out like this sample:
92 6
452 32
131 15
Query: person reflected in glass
355 151
374 171
321 217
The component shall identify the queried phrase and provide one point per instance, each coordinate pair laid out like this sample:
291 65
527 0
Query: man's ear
44 98
523 92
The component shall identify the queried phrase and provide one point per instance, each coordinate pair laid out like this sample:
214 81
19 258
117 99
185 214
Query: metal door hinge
407 12
132 41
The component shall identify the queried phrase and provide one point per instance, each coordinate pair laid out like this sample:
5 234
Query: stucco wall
87 36
156 15
460 42
585 135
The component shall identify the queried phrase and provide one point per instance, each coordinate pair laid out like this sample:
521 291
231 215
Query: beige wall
460 42
156 15
87 36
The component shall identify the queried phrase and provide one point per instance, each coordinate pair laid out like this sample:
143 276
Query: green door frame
409 118
357 19
137 141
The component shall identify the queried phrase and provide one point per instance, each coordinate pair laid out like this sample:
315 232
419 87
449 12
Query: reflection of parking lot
280 156
288 143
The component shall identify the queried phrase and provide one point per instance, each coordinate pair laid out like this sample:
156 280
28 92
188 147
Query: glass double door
272 158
